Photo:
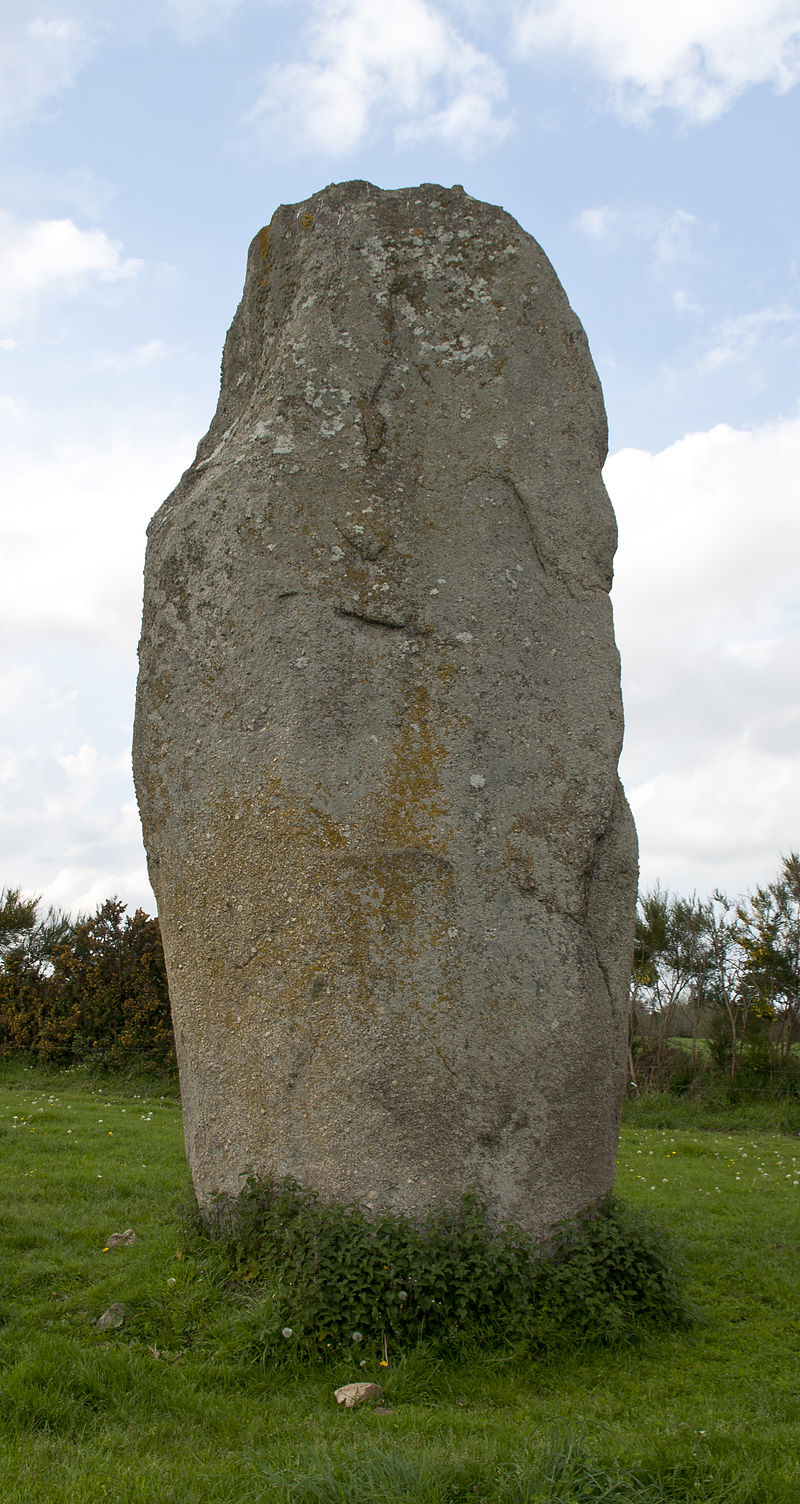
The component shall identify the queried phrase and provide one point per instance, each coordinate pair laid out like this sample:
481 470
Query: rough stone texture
379 720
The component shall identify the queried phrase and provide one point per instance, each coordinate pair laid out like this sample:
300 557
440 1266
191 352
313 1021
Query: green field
174 1406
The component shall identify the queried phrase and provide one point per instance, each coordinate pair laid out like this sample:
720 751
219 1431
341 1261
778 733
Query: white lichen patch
331 426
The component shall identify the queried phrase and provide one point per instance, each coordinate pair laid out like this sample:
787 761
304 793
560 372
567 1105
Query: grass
174 1406
714 1112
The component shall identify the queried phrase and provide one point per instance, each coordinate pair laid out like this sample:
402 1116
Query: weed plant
333 1276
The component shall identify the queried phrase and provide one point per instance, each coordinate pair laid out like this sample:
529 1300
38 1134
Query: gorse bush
93 988
325 1277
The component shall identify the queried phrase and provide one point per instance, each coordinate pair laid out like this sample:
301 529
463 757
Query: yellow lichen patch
408 813
263 241
306 221
333 923
446 672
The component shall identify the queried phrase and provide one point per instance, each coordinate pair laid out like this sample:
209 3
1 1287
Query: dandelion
402 1295
287 1332
357 1337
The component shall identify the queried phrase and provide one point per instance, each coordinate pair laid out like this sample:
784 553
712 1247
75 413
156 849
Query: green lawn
172 1406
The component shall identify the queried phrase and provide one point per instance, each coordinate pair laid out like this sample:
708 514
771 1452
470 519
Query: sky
652 151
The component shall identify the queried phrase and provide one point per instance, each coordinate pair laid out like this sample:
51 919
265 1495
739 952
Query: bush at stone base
334 1276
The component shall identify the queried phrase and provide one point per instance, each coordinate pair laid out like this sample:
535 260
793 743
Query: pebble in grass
113 1317
350 1395
120 1239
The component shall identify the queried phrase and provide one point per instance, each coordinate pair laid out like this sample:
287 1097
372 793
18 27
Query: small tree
667 953
95 986
111 977
770 938
28 945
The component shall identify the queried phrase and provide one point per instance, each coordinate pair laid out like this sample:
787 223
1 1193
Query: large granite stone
378 725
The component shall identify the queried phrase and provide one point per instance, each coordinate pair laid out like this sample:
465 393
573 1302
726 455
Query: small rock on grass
357 1394
114 1316
121 1239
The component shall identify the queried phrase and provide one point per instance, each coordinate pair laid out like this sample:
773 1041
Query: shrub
93 988
330 1275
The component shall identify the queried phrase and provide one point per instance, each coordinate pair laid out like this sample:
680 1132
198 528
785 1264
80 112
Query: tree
28 945
770 938
722 934
111 975
95 986
670 967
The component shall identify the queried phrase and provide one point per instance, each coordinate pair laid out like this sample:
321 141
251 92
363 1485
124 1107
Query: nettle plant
331 1276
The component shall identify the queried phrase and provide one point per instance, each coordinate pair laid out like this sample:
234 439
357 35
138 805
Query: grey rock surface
378 725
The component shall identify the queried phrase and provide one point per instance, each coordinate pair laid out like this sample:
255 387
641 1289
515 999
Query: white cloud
73 523
71 553
737 339
40 56
692 56
365 64
129 360
707 610
68 824
668 233
39 256
45 43
194 19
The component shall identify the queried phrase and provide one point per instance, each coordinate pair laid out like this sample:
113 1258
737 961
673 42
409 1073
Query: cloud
707 611
195 19
40 56
69 827
668 233
72 540
738 339
129 360
692 56
43 255
369 64
73 525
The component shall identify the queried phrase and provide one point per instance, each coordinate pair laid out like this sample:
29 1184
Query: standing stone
378 725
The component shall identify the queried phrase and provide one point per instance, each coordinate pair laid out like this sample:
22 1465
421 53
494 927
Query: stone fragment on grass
121 1239
357 1394
113 1317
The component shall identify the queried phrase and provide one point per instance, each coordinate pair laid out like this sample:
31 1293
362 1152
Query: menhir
378 725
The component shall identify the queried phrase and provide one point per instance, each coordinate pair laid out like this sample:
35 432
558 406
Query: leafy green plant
332 1276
